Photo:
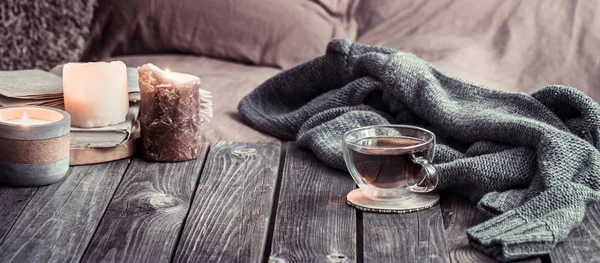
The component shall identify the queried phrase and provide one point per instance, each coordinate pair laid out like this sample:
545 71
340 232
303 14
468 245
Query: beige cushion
263 32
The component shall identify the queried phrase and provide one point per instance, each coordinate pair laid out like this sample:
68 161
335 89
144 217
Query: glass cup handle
428 182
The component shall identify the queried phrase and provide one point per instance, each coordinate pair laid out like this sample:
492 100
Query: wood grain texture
60 219
459 215
583 243
229 217
313 222
143 221
12 202
410 237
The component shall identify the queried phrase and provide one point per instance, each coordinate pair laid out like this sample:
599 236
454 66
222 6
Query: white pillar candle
96 93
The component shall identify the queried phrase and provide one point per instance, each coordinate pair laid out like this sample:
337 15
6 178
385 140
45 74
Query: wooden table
239 202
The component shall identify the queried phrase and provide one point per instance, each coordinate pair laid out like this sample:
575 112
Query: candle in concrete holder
172 108
96 93
35 145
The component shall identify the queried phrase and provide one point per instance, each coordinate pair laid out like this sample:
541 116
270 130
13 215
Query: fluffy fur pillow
43 33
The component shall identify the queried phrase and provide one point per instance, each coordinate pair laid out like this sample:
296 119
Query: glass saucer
409 202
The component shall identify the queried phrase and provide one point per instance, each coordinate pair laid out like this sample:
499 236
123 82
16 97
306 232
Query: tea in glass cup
391 164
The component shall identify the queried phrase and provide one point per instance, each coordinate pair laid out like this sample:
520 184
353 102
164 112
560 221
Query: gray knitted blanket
531 160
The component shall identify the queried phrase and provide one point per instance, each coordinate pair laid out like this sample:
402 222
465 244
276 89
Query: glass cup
392 162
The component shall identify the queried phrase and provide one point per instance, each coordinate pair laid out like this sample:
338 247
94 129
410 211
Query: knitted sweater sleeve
535 227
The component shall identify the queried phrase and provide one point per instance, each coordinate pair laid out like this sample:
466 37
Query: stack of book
30 87
41 88
109 136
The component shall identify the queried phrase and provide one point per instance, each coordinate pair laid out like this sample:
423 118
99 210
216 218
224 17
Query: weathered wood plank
583 243
230 214
60 219
313 222
12 202
410 237
460 214
143 221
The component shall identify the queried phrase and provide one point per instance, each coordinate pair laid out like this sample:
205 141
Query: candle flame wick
24 119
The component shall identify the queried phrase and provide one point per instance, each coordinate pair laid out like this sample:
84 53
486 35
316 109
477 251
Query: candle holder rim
64 115
41 131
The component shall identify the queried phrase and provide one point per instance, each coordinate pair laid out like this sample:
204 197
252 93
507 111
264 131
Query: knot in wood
273 259
163 201
241 152
336 258
151 202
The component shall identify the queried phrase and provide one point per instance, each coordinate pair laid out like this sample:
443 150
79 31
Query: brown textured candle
169 114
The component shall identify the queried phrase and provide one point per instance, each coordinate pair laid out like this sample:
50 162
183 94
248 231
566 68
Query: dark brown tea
383 163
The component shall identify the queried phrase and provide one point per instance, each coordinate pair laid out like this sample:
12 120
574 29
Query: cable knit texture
43 33
532 160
